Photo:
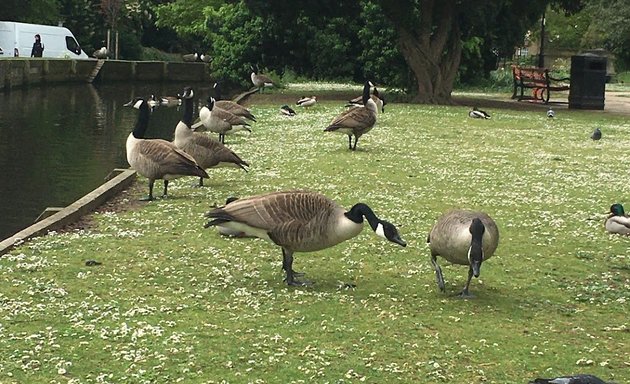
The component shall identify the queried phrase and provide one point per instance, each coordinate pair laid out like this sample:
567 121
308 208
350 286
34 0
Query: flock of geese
302 221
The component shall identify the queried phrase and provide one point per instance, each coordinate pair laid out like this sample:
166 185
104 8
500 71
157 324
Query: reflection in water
58 143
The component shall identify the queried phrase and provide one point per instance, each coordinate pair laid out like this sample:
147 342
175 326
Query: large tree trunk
431 46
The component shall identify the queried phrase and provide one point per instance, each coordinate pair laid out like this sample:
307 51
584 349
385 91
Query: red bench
539 81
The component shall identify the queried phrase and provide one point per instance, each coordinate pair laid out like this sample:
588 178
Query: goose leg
150 197
287 265
165 188
438 273
350 142
222 138
464 292
356 140
201 181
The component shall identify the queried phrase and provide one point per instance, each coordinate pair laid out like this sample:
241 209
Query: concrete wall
20 72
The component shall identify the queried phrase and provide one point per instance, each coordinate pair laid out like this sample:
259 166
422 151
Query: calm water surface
58 143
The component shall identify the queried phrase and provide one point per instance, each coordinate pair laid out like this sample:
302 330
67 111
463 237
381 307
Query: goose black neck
476 230
143 121
188 111
366 92
217 92
359 211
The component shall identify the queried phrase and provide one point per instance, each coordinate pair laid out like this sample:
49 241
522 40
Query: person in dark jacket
38 48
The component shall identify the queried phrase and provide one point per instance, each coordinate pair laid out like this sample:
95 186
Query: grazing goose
220 121
286 110
478 114
299 221
356 121
378 99
617 221
575 379
156 158
597 134
465 238
307 101
550 113
206 151
231 106
259 80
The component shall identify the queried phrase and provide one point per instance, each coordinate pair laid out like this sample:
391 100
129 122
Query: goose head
381 227
210 103
475 252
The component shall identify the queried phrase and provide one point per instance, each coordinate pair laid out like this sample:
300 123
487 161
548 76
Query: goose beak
129 104
398 241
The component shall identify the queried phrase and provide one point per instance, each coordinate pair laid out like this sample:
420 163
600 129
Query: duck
306 101
550 113
207 152
231 106
597 134
356 121
463 237
156 158
286 110
101 53
259 80
220 121
378 99
170 101
575 379
299 221
617 221
476 113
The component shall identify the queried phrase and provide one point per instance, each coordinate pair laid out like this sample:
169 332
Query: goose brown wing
355 118
219 152
169 158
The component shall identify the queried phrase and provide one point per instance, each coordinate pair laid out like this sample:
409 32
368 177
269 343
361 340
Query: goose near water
220 121
259 80
463 237
156 158
356 121
299 221
231 106
206 151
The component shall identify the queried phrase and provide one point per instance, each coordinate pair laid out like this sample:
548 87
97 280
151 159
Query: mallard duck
156 158
463 237
356 121
306 102
476 113
286 110
299 221
618 221
575 379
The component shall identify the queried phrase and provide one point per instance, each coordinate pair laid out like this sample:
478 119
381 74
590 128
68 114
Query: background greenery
175 302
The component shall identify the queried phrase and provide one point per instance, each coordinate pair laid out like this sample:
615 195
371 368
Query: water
58 143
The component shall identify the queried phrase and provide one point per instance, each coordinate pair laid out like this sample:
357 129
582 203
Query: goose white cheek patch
380 231
137 104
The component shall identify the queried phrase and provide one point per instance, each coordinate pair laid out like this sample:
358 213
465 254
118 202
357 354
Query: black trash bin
588 81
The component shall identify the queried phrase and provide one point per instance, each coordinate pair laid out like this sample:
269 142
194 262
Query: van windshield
72 45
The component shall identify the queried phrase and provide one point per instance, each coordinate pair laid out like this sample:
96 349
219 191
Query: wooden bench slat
537 79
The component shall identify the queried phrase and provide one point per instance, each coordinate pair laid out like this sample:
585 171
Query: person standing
38 48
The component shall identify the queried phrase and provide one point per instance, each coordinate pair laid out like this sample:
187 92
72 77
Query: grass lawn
174 302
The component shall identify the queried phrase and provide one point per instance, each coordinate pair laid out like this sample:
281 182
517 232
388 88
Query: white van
16 39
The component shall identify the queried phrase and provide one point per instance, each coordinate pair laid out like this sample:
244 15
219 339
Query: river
59 142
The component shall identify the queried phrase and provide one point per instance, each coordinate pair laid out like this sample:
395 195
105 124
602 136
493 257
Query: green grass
173 301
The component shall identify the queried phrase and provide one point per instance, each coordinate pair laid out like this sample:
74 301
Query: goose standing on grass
220 121
299 221
575 379
597 134
306 101
206 151
259 80
156 158
478 114
286 110
465 238
550 113
617 221
356 121
231 106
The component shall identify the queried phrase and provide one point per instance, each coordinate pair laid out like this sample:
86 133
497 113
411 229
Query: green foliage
154 54
30 11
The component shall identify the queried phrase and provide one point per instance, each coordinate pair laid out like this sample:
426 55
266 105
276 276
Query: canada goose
101 53
617 221
205 58
307 101
478 114
153 101
575 379
299 221
286 110
597 134
356 121
550 113
259 80
219 121
156 158
191 57
231 106
465 238
378 99
206 151
170 101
